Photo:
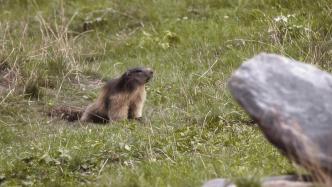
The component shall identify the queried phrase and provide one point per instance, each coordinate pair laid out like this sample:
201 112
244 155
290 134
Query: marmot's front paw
140 119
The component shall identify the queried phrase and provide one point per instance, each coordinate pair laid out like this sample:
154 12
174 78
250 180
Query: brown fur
121 98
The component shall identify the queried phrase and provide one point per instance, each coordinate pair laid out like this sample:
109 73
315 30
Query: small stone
218 183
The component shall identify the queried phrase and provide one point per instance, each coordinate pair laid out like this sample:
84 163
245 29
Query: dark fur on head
127 82
135 77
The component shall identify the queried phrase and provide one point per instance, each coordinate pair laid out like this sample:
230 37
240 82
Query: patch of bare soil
68 113
74 113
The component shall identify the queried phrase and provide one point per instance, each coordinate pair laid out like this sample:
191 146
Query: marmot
120 98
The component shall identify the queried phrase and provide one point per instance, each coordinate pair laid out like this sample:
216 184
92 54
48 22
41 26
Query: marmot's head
135 77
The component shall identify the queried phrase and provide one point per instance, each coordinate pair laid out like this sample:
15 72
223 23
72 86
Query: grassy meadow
59 53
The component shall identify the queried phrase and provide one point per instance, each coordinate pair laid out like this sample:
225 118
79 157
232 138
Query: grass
194 130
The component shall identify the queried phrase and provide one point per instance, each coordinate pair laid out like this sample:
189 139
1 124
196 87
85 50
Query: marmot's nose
150 71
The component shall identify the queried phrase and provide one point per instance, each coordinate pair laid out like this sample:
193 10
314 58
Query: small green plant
33 90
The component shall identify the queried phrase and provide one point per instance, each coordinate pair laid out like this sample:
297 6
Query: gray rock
282 183
291 178
276 181
218 183
292 103
287 181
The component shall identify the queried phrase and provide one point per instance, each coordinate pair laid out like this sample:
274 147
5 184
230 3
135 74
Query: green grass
194 131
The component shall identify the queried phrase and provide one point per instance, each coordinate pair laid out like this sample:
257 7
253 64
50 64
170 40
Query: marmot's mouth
148 78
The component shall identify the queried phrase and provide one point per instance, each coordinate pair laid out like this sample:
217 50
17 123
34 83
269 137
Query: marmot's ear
127 73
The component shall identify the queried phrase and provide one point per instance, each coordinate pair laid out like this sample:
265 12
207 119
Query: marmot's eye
137 71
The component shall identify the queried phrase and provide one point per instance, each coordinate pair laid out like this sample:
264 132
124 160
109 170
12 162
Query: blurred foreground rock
219 183
281 181
292 103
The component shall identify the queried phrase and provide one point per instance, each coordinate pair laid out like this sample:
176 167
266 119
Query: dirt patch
68 113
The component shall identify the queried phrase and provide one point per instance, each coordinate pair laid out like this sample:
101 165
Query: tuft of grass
32 90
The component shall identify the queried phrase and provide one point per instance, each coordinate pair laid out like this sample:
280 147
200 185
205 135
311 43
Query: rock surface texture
219 183
280 181
292 103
